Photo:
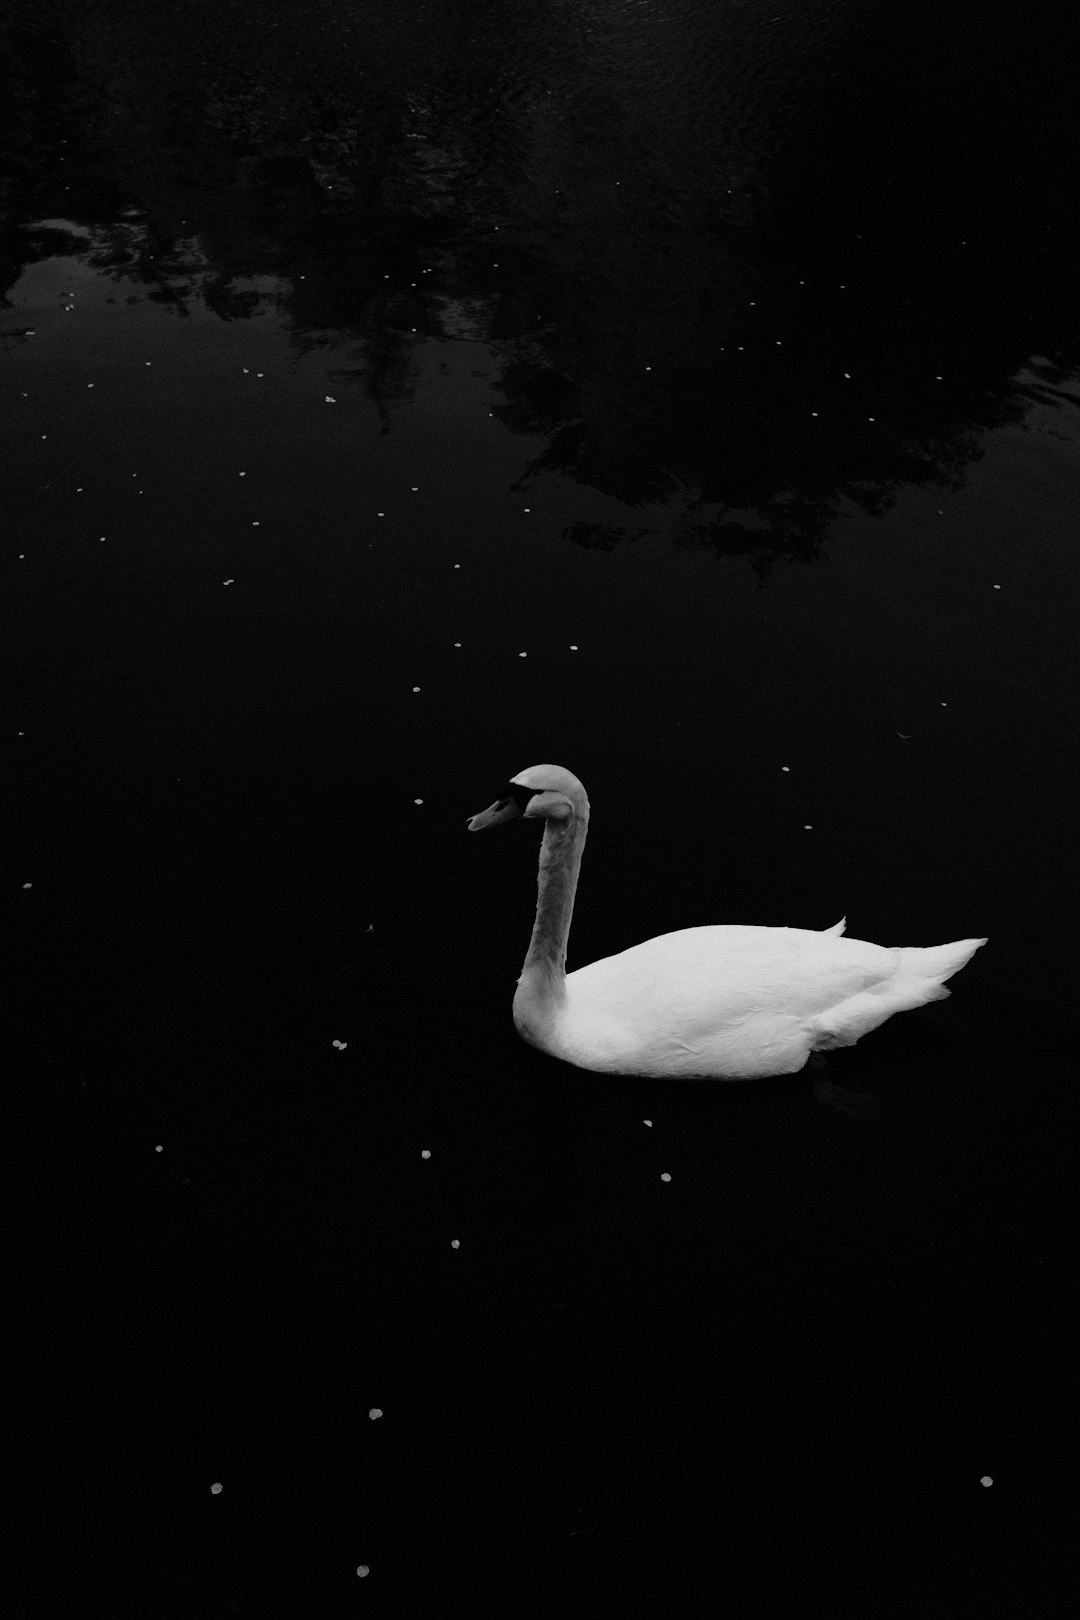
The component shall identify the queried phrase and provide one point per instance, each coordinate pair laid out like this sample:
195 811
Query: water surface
395 396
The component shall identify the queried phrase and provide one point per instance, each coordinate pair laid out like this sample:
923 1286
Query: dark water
395 396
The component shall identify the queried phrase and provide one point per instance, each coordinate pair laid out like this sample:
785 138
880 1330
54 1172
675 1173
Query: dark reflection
732 263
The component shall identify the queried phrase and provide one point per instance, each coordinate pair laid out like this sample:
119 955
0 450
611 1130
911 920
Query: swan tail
918 978
933 964
837 928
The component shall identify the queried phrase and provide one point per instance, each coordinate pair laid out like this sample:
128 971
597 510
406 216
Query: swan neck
542 985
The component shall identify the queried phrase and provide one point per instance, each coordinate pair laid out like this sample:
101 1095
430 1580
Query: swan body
730 1002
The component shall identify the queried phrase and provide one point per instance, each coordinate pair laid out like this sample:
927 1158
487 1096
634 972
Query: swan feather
739 1002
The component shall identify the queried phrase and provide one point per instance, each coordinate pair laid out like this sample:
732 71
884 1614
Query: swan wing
704 975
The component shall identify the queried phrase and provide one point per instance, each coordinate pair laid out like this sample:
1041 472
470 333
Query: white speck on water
418 801
944 705
28 885
997 587
986 1481
228 582
647 1122
523 655
415 488
260 374
457 565
158 1149
524 508
363 1569
813 413
256 523
664 1176
457 643
380 514
425 1153
375 1412
573 646
242 475
455 1243
101 537
216 1489
416 689
808 826
328 399
89 385
785 767
341 1045
847 374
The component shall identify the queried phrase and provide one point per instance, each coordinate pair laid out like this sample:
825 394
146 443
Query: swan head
546 791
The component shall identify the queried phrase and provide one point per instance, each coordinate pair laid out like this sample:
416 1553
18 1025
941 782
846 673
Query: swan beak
502 810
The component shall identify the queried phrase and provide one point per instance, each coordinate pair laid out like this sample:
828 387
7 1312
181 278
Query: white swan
722 1003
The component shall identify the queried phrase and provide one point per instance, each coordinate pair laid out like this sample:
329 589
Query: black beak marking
520 795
